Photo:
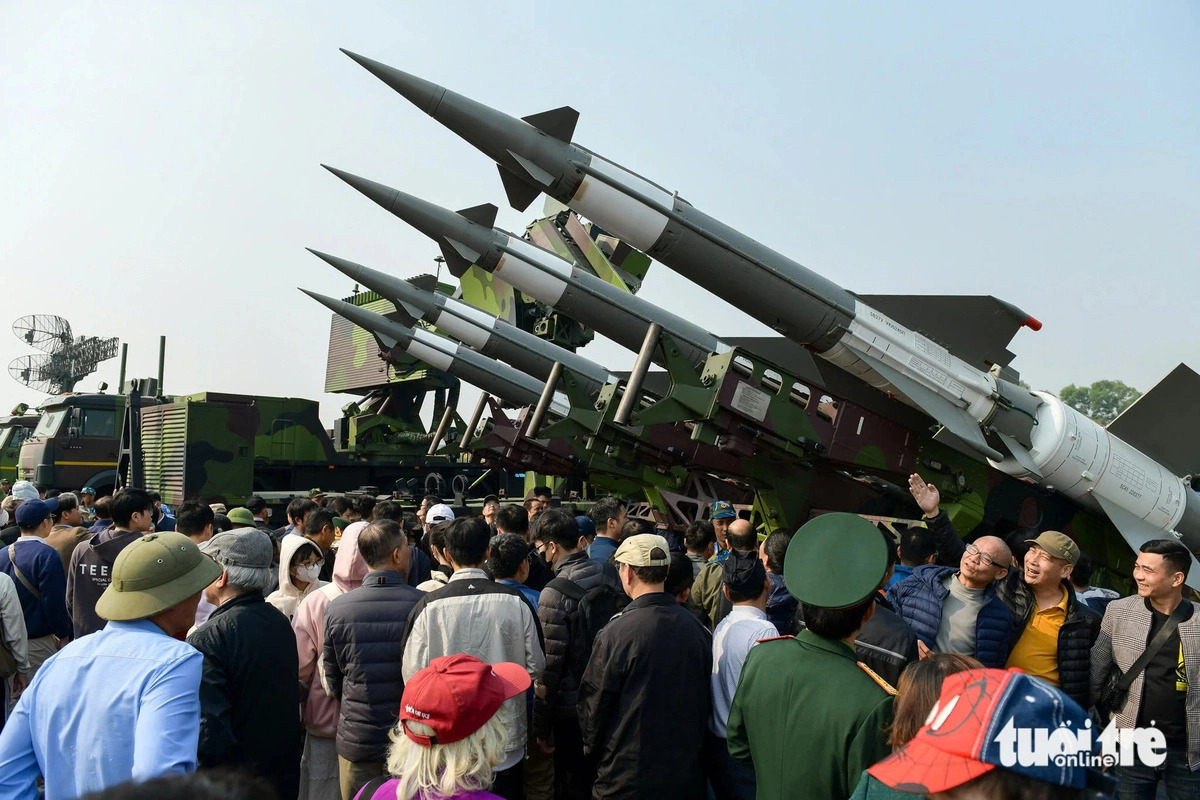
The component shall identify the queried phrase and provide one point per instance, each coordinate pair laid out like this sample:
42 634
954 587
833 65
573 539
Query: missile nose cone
383 195
421 93
348 268
330 303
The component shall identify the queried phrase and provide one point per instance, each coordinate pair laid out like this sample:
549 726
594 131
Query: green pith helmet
835 561
154 573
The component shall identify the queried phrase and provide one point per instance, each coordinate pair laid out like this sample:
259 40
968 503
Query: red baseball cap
456 695
971 730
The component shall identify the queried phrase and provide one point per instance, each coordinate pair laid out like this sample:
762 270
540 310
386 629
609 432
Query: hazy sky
160 162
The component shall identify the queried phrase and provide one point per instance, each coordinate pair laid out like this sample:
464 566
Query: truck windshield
5 435
50 422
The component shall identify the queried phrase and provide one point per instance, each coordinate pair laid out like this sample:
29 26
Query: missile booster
1032 436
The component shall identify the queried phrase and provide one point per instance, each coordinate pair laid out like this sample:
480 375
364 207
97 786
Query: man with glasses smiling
960 611
1056 631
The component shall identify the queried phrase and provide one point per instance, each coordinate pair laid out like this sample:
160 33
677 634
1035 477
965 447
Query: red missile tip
1032 324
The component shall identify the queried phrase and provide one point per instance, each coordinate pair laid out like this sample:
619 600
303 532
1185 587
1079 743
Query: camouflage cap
722 509
835 561
155 573
315 493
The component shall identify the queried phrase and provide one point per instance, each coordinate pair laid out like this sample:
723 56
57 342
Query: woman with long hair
920 686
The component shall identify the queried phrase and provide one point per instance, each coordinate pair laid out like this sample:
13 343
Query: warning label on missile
751 402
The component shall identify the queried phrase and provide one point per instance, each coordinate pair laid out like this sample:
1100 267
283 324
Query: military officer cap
835 561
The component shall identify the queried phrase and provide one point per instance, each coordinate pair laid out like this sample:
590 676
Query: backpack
594 609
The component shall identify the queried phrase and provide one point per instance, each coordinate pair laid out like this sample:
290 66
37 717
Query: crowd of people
368 650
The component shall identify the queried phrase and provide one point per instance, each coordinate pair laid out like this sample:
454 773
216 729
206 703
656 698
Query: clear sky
160 162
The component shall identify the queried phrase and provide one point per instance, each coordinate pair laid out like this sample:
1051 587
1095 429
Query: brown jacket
64 539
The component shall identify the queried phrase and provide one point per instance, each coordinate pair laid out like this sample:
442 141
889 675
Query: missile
467 238
1032 436
482 332
493 377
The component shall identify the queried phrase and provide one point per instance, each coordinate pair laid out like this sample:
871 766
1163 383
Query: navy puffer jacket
919 599
364 648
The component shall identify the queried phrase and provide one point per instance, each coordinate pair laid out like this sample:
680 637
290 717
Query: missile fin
408 314
455 262
1020 454
519 191
1137 532
977 329
484 215
956 419
1161 423
465 252
557 122
531 169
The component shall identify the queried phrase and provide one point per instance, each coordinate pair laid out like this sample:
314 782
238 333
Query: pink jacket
320 711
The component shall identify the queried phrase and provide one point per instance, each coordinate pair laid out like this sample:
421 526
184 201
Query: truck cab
13 431
75 443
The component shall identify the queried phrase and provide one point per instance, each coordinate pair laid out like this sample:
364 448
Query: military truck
227 447
74 443
14 429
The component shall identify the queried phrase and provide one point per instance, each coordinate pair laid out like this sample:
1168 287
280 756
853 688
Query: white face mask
309 573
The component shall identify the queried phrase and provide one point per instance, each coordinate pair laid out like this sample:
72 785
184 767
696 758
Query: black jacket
644 702
364 647
89 574
886 644
249 698
557 690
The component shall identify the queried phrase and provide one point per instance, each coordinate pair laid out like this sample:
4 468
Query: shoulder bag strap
1155 645
12 557
567 587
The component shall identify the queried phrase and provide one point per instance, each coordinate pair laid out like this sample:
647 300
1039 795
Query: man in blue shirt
722 514
609 517
123 702
37 570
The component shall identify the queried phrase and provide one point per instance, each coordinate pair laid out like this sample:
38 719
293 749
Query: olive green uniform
808 718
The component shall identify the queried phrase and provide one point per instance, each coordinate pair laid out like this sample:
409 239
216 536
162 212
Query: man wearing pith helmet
833 566
123 702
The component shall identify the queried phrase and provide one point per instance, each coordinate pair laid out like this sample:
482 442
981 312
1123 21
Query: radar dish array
65 359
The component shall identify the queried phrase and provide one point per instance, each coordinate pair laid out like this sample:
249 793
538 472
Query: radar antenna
65 359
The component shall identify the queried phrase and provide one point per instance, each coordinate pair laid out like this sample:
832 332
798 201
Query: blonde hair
445 769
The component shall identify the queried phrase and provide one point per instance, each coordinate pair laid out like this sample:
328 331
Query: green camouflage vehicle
13 431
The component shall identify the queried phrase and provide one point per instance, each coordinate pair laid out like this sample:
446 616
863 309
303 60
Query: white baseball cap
24 490
439 513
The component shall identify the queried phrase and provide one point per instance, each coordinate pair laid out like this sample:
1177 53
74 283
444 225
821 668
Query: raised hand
926 495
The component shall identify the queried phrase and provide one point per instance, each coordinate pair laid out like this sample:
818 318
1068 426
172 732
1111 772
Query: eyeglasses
983 557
